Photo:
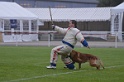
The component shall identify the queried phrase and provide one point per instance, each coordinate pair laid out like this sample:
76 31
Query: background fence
52 38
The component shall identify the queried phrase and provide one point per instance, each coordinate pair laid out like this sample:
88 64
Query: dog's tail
101 63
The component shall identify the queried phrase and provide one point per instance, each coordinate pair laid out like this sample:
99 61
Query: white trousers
62 50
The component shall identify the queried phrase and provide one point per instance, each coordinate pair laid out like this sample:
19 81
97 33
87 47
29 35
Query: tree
109 3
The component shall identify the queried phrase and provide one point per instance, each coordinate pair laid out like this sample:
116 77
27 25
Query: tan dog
82 58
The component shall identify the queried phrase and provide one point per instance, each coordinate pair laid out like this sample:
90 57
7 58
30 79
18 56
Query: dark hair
74 22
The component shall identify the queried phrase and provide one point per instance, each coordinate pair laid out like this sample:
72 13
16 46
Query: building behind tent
55 3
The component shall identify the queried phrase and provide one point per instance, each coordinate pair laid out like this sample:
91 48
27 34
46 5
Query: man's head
73 23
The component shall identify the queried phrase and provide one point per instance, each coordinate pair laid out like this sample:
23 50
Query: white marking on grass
35 77
114 66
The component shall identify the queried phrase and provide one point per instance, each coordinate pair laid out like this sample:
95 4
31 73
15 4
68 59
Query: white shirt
72 35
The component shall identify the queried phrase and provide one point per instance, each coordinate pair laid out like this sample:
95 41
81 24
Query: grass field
28 64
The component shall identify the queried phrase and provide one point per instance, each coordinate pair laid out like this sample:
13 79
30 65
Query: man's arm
81 38
59 29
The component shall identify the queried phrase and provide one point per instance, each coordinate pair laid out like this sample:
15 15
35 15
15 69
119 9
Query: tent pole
21 29
30 30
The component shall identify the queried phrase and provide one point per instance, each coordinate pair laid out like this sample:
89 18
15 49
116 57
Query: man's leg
68 62
54 57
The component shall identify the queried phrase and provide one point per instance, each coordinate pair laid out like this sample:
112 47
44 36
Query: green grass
28 64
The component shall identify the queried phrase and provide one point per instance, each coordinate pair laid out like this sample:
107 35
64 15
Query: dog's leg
98 67
79 65
101 63
73 62
93 63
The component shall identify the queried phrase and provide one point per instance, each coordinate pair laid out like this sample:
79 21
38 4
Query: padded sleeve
79 36
60 30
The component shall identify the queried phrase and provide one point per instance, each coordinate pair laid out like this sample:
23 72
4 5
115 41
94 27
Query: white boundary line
35 77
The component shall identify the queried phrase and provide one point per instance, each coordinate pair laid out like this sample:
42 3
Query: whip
50 15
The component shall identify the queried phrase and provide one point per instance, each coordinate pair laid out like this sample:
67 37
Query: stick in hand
50 15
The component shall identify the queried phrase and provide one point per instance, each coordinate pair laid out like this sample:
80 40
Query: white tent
25 19
10 10
116 20
79 14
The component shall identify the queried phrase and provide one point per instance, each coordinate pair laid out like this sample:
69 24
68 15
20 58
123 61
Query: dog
80 58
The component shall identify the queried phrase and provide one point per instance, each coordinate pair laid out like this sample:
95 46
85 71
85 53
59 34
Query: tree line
109 3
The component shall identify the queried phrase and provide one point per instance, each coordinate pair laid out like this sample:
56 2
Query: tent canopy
118 9
117 20
79 14
11 10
